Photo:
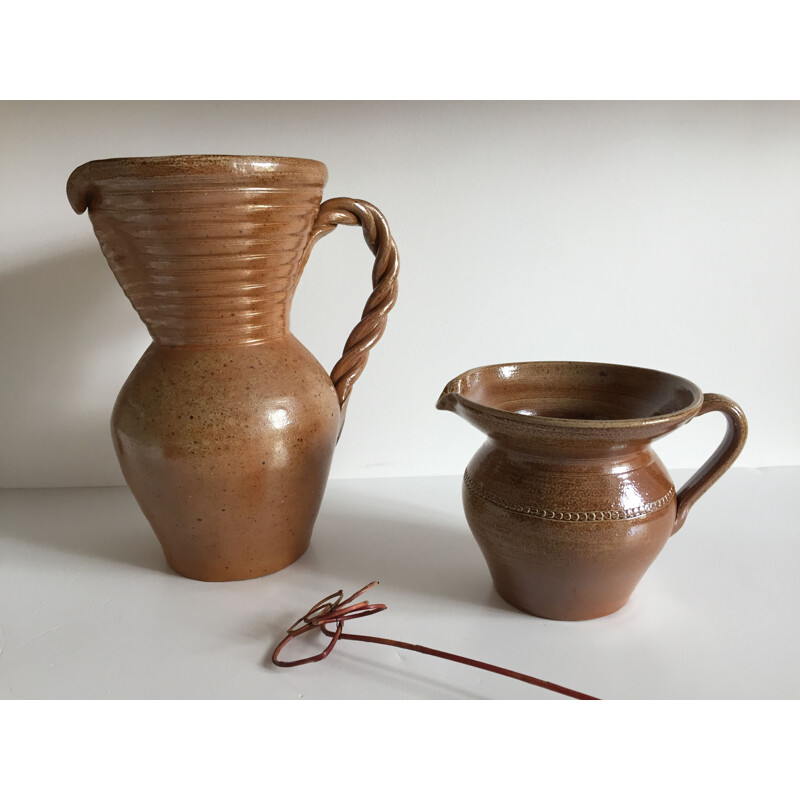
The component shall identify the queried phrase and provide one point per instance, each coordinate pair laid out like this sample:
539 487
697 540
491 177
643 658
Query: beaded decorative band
567 516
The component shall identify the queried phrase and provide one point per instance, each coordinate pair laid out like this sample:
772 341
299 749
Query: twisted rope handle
346 211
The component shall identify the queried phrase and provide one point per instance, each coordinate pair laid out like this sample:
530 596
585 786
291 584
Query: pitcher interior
578 391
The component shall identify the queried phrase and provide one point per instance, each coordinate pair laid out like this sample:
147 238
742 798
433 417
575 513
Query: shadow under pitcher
566 499
226 427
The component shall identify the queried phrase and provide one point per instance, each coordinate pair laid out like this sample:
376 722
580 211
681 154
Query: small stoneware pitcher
566 499
226 427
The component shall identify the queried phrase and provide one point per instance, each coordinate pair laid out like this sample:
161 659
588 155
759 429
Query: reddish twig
334 610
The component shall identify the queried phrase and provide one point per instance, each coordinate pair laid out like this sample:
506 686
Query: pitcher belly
227 451
568 545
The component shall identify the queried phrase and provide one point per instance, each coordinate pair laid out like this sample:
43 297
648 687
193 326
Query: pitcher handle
721 459
346 211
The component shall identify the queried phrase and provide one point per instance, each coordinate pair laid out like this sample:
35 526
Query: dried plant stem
470 662
334 610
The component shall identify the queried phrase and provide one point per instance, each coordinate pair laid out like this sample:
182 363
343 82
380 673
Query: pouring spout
448 400
453 399
79 187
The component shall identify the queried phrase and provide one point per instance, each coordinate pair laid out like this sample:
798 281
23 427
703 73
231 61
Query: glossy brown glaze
566 499
226 427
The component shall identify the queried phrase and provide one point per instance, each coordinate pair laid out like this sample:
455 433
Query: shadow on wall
68 340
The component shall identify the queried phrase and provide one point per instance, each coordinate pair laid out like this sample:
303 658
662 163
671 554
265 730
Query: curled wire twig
333 610
327 611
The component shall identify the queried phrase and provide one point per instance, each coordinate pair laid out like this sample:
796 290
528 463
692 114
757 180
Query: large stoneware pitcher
226 427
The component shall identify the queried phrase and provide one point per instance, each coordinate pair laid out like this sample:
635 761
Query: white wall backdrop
657 234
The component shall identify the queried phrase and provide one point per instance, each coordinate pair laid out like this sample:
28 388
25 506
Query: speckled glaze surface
226 427
566 498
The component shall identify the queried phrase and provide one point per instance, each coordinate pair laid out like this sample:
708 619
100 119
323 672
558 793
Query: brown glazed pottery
566 499
226 427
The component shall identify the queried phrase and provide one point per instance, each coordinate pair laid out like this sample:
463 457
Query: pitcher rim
201 165
681 415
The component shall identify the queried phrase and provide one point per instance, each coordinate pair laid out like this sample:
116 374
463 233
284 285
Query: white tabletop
89 608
